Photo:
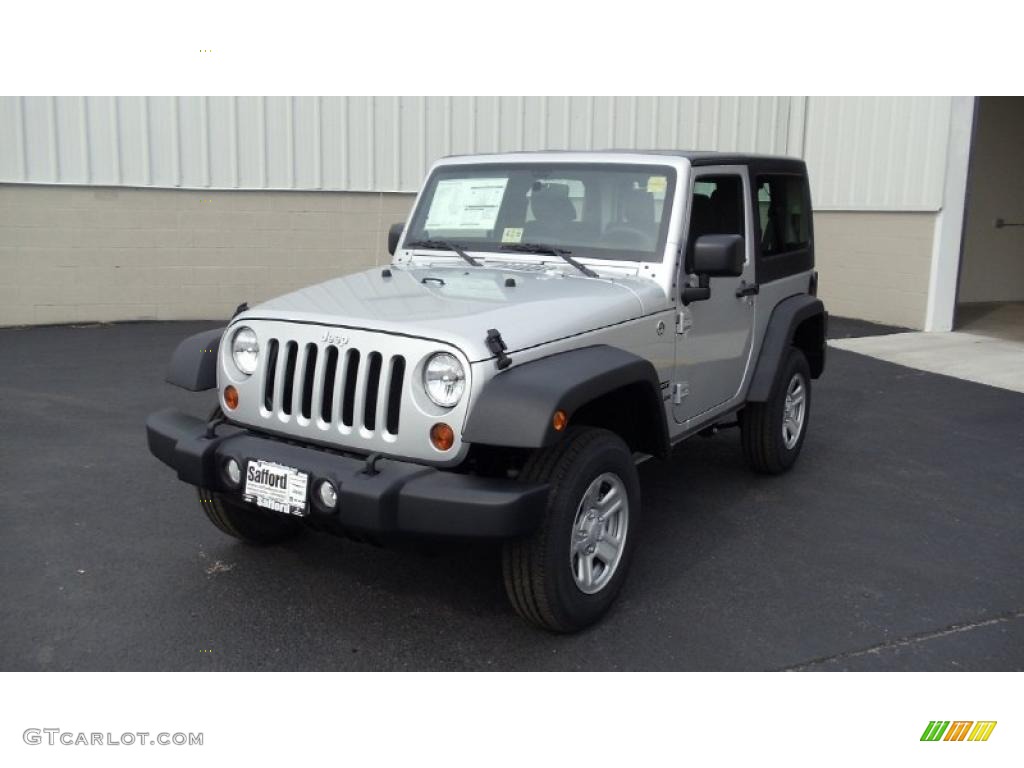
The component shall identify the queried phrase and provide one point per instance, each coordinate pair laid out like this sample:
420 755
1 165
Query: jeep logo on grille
330 337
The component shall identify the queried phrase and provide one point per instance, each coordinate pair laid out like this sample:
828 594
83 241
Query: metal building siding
877 153
863 153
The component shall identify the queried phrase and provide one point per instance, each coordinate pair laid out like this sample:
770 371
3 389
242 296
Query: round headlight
444 380
245 350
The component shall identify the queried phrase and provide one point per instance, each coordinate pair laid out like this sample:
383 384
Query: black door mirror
718 255
394 235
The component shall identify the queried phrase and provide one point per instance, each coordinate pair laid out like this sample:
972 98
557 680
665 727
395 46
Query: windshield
601 211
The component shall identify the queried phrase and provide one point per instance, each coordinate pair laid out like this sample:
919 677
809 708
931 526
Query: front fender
516 407
194 363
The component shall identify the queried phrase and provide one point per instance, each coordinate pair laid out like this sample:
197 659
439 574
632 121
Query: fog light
328 496
233 471
442 436
231 397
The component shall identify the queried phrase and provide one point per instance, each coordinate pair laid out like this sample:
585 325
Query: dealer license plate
276 487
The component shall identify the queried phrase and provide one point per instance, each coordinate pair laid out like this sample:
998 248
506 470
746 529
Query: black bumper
400 499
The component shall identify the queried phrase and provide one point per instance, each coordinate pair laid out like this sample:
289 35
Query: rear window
783 213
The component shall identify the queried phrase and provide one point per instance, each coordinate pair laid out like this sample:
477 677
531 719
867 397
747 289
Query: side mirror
718 255
394 235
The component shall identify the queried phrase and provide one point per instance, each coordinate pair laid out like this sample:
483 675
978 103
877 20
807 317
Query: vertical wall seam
423 136
632 121
115 136
695 144
371 148
264 144
655 102
344 144
176 142
543 123
147 146
236 145
497 124
54 138
204 140
396 149
521 127
590 122
22 139
318 143
447 125
289 127
567 128
83 128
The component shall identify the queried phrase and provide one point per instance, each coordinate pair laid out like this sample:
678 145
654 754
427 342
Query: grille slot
373 361
349 391
395 380
330 369
308 374
271 369
321 387
288 377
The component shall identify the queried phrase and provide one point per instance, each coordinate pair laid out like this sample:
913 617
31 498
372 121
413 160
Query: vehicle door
714 327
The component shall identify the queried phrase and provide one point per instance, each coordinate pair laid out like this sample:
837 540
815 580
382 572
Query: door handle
747 289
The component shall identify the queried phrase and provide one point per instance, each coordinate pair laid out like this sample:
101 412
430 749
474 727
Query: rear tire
773 432
246 522
567 574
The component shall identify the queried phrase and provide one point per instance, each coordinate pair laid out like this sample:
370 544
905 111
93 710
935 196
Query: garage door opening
990 292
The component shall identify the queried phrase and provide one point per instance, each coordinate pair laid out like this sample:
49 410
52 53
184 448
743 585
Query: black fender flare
194 363
778 336
515 408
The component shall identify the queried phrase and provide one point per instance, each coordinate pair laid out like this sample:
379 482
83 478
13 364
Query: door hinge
747 289
680 390
684 322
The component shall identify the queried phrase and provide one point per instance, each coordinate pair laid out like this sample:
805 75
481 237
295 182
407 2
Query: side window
782 214
716 209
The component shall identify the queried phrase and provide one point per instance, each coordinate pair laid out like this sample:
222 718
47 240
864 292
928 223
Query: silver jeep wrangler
548 321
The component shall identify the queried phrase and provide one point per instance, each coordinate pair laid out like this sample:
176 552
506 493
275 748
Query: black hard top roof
697 157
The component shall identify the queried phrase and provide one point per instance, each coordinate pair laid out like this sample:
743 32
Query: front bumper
401 498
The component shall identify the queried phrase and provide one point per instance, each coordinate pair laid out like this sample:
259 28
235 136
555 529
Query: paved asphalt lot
896 543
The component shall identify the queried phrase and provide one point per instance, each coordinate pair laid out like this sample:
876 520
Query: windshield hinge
684 322
497 347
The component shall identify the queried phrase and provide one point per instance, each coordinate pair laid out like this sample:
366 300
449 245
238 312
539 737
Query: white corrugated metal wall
875 153
878 154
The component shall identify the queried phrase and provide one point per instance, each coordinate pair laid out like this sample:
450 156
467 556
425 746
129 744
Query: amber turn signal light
559 420
231 397
442 436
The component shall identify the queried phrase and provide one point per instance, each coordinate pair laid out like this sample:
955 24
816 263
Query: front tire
567 574
773 432
247 522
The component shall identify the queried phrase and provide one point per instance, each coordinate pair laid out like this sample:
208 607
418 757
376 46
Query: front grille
355 391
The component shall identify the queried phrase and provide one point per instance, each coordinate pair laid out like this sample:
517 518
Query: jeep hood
458 305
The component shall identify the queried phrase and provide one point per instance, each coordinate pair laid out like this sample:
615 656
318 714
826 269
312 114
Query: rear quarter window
783 213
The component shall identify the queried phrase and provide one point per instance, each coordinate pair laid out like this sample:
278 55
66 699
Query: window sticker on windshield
657 184
466 203
512 235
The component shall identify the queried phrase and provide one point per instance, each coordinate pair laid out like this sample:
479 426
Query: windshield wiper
444 245
553 251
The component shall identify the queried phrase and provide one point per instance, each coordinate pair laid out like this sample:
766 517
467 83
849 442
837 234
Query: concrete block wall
88 254
875 265
91 254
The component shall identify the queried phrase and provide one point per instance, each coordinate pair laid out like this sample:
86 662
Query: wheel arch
194 362
599 386
799 321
